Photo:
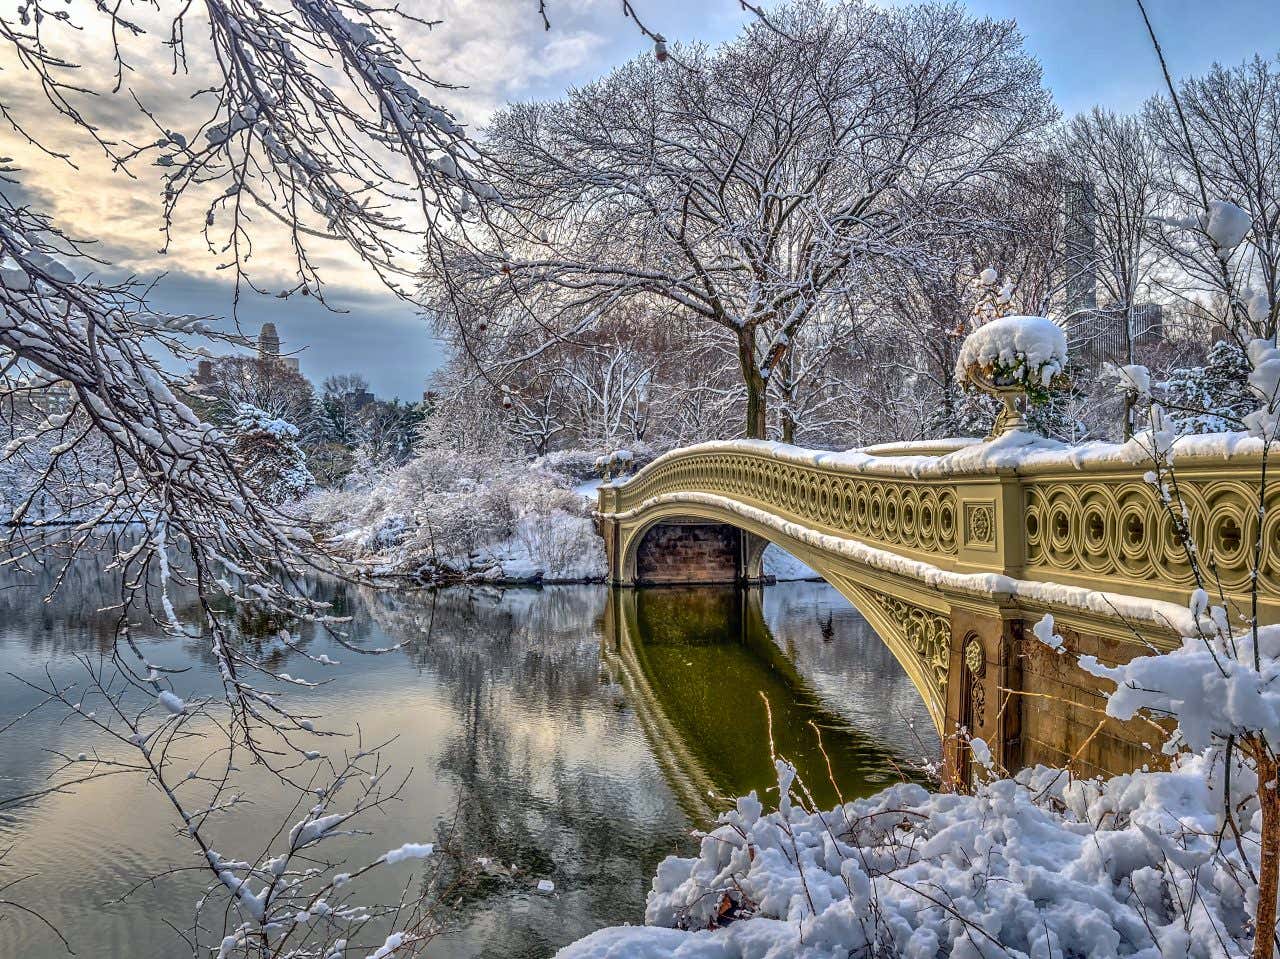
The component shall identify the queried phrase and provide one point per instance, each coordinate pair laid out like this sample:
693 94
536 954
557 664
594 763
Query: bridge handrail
1084 516
973 457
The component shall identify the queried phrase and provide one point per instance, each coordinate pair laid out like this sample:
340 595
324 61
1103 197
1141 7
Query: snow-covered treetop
251 419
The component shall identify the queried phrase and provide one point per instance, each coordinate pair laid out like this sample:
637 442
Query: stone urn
1014 359
1012 396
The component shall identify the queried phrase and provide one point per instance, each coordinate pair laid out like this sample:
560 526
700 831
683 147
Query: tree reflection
548 773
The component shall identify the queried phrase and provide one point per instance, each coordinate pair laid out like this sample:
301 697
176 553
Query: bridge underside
692 551
971 658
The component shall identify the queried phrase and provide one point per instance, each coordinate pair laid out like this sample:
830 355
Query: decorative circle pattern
1119 529
896 513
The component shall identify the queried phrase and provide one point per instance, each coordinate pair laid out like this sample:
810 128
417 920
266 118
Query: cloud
494 51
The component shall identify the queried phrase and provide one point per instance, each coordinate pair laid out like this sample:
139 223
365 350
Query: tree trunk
757 386
788 427
787 416
1269 861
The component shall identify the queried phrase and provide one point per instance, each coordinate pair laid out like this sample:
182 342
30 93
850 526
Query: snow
1209 684
1043 630
12 276
782 566
1030 349
923 447
388 947
1227 225
1042 864
1023 452
410 850
172 703
589 490
546 886
1135 378
1264 381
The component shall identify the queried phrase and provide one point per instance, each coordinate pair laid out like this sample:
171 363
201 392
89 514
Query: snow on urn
1014 358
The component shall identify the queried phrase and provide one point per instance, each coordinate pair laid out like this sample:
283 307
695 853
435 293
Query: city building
269 346
1098 334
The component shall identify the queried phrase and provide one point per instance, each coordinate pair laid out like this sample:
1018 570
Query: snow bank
1020 451
1040 865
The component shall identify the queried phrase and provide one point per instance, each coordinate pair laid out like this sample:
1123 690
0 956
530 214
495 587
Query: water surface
576 733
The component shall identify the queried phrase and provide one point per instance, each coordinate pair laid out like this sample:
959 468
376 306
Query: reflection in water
570 731
699 663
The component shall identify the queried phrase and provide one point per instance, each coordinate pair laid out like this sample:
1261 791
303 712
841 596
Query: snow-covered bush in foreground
1039 865
447 516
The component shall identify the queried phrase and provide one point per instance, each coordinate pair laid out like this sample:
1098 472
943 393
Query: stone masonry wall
689 553
1063 707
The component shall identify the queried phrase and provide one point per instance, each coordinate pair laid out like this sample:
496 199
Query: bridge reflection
693 661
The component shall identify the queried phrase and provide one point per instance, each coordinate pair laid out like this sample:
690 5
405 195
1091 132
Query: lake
575 733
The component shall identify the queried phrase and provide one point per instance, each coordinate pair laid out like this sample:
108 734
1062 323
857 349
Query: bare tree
312 118
1229 150
742 187
264 382
1116 156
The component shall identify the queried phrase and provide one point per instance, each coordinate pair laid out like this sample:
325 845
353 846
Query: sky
1092 51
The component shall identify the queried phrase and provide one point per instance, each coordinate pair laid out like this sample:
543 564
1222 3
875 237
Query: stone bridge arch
913 622
953 556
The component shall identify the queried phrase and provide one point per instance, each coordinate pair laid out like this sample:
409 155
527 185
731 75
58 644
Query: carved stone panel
975 667
927 632
980 524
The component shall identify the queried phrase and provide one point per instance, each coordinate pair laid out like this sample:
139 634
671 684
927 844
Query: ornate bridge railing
951 554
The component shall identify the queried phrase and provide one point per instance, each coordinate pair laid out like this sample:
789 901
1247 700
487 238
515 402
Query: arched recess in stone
913 622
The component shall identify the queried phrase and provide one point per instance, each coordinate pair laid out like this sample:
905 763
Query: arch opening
906 619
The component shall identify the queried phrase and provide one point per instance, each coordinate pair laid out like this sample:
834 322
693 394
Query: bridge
954 551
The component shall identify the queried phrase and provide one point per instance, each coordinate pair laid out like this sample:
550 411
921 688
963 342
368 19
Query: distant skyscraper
1080 239
269 340
269 346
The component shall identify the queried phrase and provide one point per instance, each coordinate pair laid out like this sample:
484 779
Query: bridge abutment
682 552
984 665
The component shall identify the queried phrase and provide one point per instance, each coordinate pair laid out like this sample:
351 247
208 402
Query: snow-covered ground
784 567
1044 865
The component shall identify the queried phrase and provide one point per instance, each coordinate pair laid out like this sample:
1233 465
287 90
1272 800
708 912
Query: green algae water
574 733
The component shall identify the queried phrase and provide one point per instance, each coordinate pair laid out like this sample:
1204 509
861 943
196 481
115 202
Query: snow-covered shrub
448 516
1213 398
551 530
582 464
267 450
1038 865
577 464
1029 352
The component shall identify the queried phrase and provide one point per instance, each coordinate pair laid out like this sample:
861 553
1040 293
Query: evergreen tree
269 455
1213 398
